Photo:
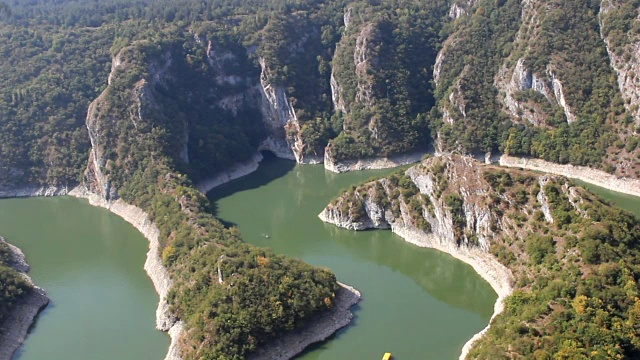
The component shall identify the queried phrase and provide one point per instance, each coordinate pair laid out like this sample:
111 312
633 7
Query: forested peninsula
141 103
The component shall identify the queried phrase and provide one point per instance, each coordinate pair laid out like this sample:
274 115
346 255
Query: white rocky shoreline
317 330
498 276
488 267
372 163
16 326
592 176
290 345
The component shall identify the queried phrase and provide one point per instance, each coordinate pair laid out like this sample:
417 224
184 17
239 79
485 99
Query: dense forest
141 99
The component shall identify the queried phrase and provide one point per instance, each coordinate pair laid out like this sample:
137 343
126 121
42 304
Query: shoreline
372 163
317 330
595 177
234 172
156 271
24 313
486 265
292 344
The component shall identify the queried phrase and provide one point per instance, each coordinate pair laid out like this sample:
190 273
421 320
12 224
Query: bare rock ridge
625 58
16 326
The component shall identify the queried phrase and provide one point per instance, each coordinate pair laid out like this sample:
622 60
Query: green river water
89 261
417 303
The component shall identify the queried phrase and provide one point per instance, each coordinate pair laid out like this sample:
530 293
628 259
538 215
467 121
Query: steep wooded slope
574 258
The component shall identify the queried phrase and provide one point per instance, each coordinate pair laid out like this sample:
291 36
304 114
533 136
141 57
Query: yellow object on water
387 356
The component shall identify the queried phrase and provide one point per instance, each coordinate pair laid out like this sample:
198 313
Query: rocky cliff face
512 226
461 8
519 105
358 44
141 100
511 81
623 49
280 117
449 193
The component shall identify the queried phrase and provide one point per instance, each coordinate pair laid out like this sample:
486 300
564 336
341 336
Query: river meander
417 303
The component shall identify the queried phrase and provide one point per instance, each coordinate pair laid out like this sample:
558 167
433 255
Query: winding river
417 303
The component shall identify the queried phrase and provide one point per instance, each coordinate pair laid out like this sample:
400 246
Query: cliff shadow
270 168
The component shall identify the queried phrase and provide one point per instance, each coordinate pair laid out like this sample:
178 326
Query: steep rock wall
142 100
281 121
515 75
624 53
470 245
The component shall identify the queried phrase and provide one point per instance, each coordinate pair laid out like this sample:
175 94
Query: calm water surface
417 303
90 263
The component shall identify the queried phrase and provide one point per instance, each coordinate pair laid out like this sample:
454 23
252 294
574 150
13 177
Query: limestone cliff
623 47
515 77
485 216
461 8
283 126
141 104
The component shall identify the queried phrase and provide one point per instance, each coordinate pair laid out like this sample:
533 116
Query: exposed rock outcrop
461 8
443 231
142 100
29 191
281 121
370 163
16 326
592 176
625 59
513 82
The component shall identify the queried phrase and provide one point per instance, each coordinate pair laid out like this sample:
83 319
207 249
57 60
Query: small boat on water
387 356
266 236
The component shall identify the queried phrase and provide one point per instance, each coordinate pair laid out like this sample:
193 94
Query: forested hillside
140 99
574 258
553 80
